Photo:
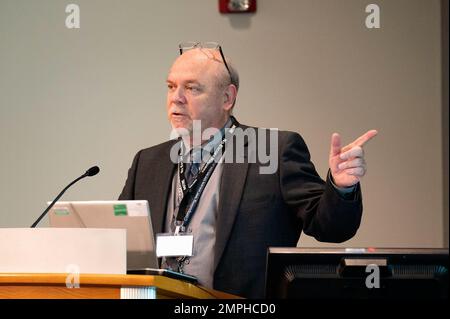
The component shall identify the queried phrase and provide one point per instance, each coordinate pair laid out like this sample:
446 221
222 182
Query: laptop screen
132 215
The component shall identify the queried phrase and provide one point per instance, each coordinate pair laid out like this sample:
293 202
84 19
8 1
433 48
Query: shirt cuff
344 192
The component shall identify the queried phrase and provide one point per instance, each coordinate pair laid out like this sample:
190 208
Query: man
239 211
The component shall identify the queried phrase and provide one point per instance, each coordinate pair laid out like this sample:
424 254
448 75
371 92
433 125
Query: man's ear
229 97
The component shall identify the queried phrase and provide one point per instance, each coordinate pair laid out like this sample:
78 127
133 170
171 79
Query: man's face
194 92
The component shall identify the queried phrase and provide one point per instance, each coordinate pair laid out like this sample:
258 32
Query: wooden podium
53 286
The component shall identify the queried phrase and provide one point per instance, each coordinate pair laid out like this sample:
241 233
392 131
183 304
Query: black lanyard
192 192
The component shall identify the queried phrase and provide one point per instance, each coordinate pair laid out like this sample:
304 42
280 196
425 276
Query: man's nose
178 96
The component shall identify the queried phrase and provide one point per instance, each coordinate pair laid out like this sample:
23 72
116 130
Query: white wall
73 98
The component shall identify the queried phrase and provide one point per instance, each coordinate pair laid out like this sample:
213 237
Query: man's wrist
344 192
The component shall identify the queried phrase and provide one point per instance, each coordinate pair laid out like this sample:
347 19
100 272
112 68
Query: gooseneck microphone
90 172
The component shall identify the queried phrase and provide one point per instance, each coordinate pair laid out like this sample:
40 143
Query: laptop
132 215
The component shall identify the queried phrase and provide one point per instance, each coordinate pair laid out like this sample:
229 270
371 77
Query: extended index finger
363 139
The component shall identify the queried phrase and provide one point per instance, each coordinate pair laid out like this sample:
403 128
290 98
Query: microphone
90 172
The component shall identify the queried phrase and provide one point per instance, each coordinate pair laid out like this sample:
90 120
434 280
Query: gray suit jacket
256 211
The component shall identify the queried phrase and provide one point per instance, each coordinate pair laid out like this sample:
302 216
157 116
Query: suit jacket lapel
161 188
231 190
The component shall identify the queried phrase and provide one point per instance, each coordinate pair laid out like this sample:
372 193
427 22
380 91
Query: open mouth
176 114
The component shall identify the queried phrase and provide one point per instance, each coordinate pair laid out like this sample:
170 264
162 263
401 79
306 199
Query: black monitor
358 273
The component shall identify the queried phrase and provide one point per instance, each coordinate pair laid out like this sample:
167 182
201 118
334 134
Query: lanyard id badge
170 245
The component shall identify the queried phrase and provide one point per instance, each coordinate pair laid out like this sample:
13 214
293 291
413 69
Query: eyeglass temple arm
224 61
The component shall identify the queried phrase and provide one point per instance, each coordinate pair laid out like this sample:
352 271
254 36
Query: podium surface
92 286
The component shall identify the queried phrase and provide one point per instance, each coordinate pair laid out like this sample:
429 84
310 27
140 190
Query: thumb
335 144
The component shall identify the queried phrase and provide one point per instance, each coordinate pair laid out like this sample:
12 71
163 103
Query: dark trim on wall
445 114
